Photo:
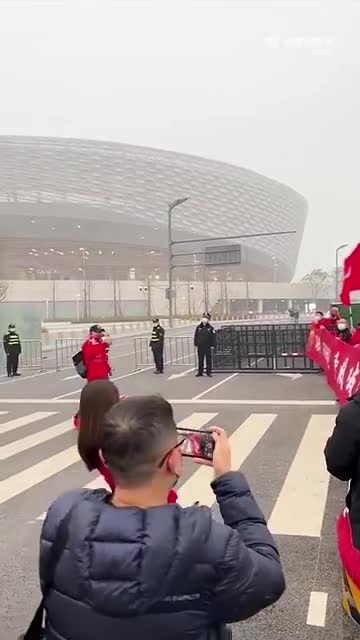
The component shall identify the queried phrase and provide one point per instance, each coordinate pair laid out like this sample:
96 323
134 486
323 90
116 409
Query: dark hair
96 399
137 433
319 313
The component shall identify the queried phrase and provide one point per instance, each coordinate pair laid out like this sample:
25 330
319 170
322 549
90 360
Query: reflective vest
12 341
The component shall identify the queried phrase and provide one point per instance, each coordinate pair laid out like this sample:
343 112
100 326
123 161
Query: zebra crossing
40 447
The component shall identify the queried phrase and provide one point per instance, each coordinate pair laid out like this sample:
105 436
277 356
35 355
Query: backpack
79 365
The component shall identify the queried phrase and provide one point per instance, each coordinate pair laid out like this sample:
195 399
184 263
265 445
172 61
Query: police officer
157 345
12 348
205 340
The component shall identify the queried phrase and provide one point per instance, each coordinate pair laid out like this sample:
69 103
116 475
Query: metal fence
64 351
178 351
31 355
263 348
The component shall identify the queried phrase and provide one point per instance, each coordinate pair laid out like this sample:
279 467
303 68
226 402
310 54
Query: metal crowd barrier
178 351
65 348
31 355
263 348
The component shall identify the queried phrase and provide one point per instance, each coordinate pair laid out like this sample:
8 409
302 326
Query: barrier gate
178 351
263 348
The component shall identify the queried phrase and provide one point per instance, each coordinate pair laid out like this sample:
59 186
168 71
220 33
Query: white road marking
317 609
174 376
215 386
23 378
71 377
127 375
13 448
299 509
242 442
24 421
196 420
189 401
34 475
292 376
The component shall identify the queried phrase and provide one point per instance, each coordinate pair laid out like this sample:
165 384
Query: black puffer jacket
164 573
342 454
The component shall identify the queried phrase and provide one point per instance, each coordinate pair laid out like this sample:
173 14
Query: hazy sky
273 86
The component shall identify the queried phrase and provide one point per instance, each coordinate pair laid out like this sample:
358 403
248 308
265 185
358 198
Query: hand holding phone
221 459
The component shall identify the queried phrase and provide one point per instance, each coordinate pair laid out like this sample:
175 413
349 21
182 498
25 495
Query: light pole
171 208
338 249
82 249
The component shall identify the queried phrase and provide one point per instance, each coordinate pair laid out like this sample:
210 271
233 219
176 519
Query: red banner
340 361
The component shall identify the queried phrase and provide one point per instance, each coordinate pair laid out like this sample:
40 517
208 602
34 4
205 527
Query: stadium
67 205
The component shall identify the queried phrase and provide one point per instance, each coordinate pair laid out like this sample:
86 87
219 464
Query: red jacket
95 359
330 324
355 338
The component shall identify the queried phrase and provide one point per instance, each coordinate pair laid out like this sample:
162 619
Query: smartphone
196 444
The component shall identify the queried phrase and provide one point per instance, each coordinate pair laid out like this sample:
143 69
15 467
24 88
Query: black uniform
12 348
205 339
157 346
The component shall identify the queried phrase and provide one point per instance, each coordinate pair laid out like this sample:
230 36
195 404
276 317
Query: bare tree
3 291
317 279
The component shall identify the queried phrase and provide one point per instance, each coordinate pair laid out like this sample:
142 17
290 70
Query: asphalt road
278 427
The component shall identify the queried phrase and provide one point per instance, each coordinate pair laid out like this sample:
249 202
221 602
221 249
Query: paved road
278 428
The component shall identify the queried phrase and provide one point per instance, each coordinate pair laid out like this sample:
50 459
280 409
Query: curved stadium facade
60 196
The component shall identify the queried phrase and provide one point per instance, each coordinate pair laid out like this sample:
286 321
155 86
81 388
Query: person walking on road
12 348
95 354
205 340
157 345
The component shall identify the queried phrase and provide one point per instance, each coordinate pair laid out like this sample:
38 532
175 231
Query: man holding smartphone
149 569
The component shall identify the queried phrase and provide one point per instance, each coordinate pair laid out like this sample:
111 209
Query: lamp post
338 249
171 208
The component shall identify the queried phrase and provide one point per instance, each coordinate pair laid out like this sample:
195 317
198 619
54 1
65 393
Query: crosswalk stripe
242 443
196 420
13 448
24 421
30 477
299 509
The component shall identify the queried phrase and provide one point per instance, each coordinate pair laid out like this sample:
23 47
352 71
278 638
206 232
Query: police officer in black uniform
205 340
12 348
157 345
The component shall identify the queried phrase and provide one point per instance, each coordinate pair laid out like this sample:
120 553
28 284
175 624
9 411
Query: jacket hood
126 558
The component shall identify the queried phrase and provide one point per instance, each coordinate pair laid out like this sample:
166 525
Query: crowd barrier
65 348
340 362
31 355
263 348
178 351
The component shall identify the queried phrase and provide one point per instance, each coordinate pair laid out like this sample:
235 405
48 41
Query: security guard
157 345
12 348
205 340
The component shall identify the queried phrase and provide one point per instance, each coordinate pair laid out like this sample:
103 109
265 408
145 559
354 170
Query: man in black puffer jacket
135 567
342 454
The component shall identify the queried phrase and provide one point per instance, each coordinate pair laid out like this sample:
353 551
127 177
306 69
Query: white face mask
341 326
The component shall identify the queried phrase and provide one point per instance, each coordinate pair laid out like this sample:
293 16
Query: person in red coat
355 338
95 354
331 322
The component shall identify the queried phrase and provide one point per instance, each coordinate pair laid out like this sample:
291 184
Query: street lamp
338 249
171 208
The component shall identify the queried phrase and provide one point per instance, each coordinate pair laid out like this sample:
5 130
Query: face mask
341 327
204 321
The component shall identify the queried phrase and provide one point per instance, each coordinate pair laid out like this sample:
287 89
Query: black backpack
79 365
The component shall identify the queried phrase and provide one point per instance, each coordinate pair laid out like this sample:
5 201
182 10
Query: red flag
351 280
